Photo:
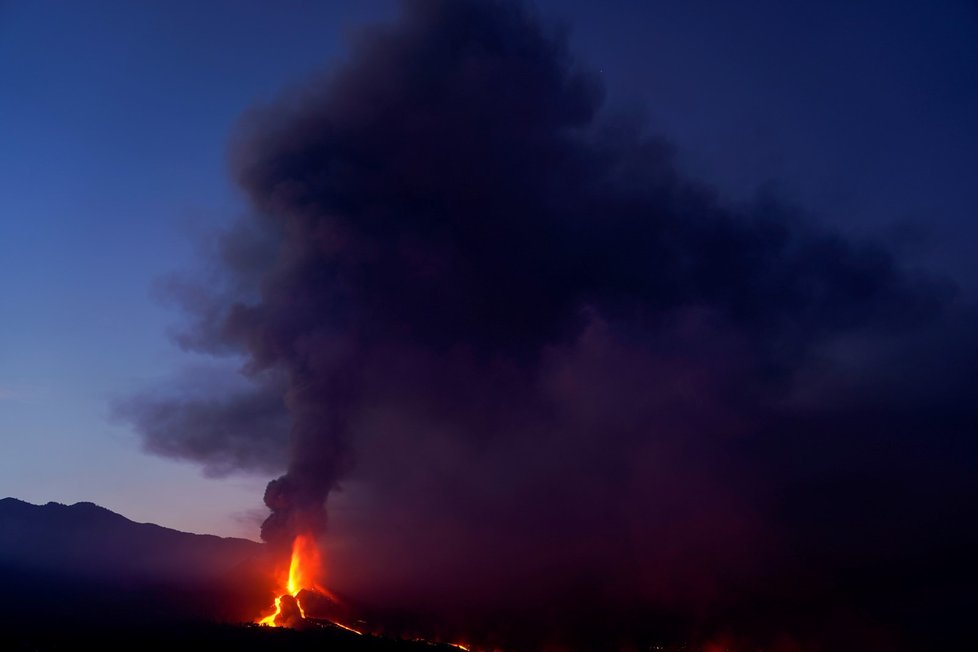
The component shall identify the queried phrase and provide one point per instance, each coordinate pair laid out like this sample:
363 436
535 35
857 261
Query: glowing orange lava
270 619
304 582
305 569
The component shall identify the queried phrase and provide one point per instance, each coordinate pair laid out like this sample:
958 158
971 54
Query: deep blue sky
115 117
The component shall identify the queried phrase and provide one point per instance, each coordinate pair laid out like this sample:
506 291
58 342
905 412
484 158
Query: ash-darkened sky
647 307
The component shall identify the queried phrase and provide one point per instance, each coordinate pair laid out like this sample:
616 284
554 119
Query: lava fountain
301 583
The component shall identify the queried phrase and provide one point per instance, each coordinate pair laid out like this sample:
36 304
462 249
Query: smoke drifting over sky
546 363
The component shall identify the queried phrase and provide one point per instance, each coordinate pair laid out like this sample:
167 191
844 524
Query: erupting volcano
300 591
576 396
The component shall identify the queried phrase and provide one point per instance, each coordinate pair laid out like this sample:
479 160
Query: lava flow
301 583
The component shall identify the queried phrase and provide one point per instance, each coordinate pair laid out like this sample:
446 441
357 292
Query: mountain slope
83 561
86 540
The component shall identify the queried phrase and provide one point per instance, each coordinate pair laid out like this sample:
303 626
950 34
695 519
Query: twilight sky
115 122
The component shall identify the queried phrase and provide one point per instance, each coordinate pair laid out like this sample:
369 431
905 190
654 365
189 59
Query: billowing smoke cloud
225 431
545 362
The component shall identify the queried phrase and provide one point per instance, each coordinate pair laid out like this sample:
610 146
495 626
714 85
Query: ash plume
521 334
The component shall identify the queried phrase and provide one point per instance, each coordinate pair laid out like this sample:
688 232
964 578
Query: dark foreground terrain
80 577
198 636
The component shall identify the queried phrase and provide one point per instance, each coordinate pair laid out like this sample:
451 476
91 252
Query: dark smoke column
297 499
401 188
